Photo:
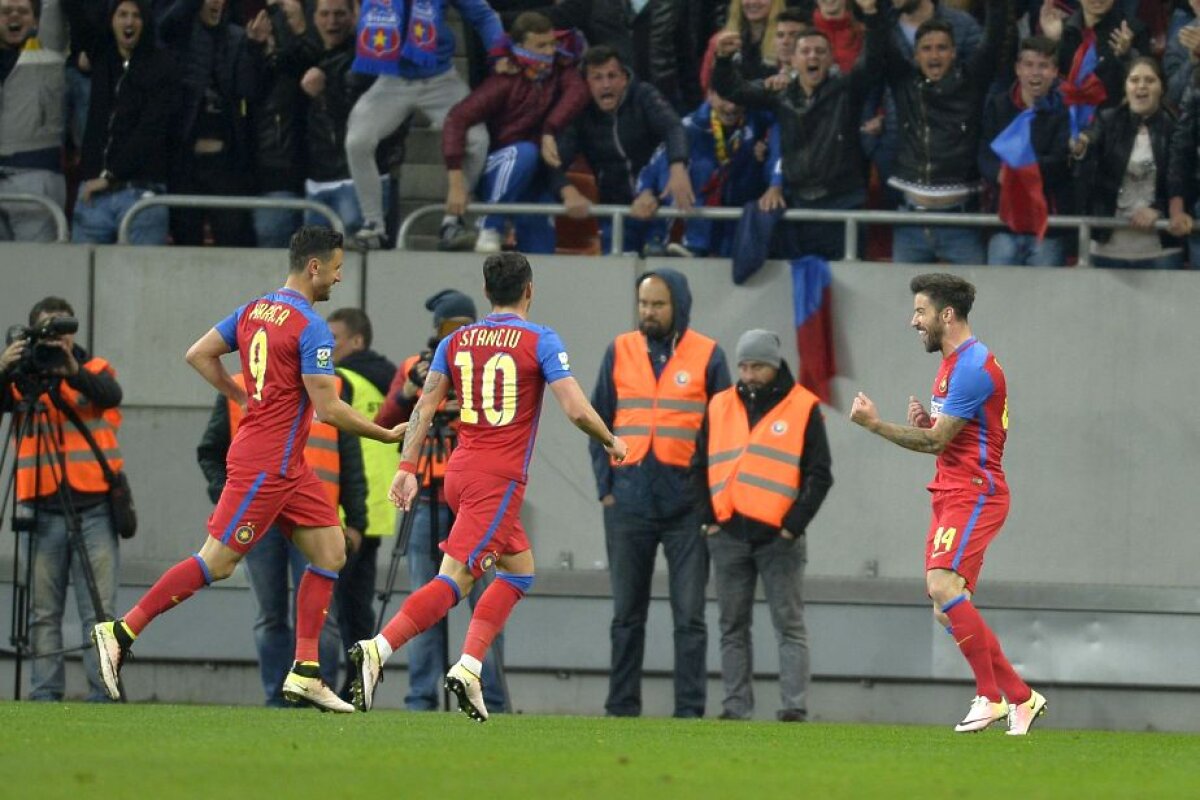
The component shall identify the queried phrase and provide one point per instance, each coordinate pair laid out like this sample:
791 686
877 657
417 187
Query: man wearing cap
765 458
427 652
654 385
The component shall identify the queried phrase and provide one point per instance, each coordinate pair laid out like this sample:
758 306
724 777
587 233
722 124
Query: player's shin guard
174 586
421 611
312 604
973 636
1015 689
492 610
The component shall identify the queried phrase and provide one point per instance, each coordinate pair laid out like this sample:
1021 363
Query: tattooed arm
404 485
922 440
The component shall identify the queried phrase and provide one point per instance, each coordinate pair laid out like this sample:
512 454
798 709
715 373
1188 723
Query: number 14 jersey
280 339
500 367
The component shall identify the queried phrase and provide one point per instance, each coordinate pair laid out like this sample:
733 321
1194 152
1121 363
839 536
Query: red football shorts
487 519
963 525
252 501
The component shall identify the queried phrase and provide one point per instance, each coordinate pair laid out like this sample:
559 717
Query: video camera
43 355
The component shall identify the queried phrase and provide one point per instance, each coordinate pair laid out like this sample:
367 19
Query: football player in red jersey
965 427
499 368
286 353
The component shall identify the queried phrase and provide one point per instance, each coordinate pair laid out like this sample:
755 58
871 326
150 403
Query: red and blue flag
1083 90
812 280
1022 204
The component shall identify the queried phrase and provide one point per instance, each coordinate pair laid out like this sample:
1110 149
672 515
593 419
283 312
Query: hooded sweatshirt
651 489
132 109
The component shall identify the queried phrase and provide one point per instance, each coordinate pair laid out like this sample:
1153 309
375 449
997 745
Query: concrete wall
1096 565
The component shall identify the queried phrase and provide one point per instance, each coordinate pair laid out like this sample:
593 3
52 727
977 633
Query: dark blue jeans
427 653
267 566
633 542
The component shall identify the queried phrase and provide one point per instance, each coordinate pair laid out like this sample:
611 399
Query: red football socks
312 604
176 585
1015 689
420 611
491 612
973 638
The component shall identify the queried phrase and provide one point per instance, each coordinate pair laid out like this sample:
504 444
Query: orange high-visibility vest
662 414
438 453
756 473
321 452
38 470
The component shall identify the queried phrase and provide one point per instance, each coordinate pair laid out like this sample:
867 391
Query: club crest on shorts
779 428
683 377
488 561
244 534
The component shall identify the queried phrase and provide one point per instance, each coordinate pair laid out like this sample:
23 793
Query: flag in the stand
1022 202
812 280
1083 90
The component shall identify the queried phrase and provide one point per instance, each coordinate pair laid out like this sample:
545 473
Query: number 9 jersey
500 367
280 338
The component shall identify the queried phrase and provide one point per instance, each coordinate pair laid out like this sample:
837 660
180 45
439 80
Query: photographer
427 652
43 359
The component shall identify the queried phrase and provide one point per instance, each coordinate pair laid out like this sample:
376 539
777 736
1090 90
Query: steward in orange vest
334 455
653 388
766 458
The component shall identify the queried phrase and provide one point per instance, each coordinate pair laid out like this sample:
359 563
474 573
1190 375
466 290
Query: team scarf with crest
425 20
379 46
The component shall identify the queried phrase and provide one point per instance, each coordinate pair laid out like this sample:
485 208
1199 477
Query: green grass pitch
149 752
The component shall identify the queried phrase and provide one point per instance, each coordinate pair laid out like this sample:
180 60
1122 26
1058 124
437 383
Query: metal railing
852 220
216 201
62 231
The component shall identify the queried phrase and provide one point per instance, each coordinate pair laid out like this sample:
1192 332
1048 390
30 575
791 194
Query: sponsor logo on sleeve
324 357
564 361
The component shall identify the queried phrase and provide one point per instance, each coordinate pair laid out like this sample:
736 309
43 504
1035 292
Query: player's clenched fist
918 417
404 490
617 450
863 411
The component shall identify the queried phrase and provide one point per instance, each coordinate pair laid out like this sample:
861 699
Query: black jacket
815 464
1099 176
1110 69
277 116
818 135
328 113
1050 131
131 114
1183 172
939 120
650 489
618 145
221 57
214 446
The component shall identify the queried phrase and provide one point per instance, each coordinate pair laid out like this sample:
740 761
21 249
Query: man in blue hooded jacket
654 385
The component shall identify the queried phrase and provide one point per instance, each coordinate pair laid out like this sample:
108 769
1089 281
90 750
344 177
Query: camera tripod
441 439
31 419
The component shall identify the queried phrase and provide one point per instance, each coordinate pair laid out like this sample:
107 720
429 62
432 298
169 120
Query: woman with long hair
754 21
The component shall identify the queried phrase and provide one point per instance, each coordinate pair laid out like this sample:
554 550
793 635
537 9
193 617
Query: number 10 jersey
500 367
280 339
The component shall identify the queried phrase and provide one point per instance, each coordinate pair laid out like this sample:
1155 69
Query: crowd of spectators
761 105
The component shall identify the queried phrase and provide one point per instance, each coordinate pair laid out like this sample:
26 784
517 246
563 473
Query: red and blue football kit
500 367
970 494
280 339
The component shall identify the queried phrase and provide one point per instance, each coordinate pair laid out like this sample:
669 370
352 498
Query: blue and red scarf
379 33
1083 90
1022 205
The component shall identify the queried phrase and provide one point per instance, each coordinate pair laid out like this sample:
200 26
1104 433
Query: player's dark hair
599 55
49 305
312 241
1042 45
944 289
356 321
934 25
527 23
505 276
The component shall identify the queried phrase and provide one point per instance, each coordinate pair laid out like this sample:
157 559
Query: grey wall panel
32 271
153 302
588 301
